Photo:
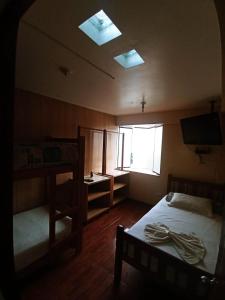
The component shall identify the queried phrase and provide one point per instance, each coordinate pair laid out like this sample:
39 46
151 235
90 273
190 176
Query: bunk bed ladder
74 211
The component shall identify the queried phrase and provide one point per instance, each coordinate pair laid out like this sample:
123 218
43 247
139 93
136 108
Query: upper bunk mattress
179 220
31 235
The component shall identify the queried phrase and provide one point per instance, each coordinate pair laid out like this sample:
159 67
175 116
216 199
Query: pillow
195 204
169 196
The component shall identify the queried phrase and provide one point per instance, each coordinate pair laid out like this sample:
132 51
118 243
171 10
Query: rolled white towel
189 247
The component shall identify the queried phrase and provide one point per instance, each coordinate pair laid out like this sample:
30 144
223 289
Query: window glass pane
127 146
157 149
142 148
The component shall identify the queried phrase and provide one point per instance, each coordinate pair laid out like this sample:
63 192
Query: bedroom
36 103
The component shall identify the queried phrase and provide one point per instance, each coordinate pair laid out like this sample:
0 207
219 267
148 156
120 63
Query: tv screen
202 130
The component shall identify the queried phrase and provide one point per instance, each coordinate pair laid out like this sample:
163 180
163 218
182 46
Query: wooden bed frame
73 209
159 265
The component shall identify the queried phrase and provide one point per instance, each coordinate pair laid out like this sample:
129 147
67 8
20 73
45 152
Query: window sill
141 171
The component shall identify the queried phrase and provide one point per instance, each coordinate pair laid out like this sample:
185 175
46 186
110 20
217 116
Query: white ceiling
178 39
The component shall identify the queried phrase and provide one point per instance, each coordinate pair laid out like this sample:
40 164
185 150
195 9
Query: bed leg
118 255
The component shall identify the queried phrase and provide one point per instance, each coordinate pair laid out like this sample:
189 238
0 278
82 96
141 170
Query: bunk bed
161 262
44 231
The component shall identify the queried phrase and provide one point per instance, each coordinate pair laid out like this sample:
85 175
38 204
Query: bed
31 235
161 262
42 232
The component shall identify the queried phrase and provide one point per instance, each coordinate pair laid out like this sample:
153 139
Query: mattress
179 220
31 235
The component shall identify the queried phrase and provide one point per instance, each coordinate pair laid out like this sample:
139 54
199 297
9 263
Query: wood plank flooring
90 275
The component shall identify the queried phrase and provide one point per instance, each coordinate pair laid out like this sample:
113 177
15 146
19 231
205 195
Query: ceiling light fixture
65 71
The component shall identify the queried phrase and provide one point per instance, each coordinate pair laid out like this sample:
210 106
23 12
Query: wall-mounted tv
202 130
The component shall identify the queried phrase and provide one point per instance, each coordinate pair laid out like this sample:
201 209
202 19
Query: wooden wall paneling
101 149
27 117
28 194
220 7
71 122
87 157
111 151
104 150
53 118
45 115
38 116
20 121
60 120
88 153
93 150
96 151
64 177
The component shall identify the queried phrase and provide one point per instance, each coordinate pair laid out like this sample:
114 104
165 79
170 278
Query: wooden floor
90 275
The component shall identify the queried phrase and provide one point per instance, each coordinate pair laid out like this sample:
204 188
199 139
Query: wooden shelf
118 199
118 185
96 179
116 173
96 195
94 212
104 192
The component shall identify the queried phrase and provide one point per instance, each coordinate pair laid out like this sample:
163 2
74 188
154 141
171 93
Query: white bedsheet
179 220
31 234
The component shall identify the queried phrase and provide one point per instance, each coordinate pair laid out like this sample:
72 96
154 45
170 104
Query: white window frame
156 167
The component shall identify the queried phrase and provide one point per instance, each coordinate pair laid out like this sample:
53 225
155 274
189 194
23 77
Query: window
100 28
129 59
142 147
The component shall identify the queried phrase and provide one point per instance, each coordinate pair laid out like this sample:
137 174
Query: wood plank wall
37 117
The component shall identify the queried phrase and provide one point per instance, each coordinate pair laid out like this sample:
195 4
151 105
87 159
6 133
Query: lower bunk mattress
31 235
180 220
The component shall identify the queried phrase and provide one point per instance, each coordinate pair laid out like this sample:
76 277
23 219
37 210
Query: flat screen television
202 130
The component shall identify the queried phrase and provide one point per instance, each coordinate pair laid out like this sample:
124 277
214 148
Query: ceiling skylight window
129 59
100 28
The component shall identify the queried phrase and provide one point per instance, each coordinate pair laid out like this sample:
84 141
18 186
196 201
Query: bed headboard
216 192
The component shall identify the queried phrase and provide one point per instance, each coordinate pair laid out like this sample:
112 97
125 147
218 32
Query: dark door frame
9 22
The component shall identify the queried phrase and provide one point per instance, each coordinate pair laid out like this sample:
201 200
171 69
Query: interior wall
177 158
220 7
38 117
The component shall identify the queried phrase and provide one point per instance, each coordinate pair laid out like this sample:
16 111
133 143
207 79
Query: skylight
129 59
100 28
